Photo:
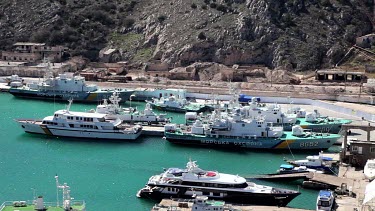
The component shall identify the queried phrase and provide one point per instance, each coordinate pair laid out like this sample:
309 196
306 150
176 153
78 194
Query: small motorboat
290 169
369 169
314 162
325 200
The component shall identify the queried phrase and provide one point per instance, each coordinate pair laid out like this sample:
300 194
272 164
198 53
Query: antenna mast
57 190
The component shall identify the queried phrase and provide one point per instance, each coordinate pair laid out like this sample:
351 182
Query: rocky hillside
291 34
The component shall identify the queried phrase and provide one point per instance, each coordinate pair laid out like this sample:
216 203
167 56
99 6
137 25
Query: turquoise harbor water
107 175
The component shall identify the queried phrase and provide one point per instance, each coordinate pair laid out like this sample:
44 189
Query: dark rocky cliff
291 34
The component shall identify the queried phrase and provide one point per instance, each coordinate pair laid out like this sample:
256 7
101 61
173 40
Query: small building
365 41
90 76
359 152
157 69
340 76
32 52
182 73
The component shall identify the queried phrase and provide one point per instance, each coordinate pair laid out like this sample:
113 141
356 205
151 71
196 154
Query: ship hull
63 96
181 110
324 142
240 197
30 127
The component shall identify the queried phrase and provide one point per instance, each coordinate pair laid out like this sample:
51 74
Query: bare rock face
285 34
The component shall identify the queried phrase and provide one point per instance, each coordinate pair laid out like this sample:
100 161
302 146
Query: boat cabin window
324 203
70 117
216 194
372 149
101 119
88 119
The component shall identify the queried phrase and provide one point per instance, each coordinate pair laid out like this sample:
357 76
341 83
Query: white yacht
193 181
114 110
82 125
369 169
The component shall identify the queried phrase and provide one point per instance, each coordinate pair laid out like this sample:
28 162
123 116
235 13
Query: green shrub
202 36
162 18
326 3
128 22
222 8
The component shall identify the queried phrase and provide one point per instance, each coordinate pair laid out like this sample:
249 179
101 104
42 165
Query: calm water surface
107 175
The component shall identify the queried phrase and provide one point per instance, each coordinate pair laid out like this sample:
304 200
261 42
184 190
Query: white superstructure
233 126
64 82
149 93
271 113
114 110
81 124
369 169
194 181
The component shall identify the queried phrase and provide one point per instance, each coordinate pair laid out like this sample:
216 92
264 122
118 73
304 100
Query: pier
293 176
153 130
185 205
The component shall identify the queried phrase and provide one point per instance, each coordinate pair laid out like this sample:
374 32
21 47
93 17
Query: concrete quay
153 130
168 204
356 186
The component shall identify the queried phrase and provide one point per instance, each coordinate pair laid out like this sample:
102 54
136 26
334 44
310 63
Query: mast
57 190
66 194
70 104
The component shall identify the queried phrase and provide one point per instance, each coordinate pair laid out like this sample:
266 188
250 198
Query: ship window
206 193
216 194
355 148
71 125
372 149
